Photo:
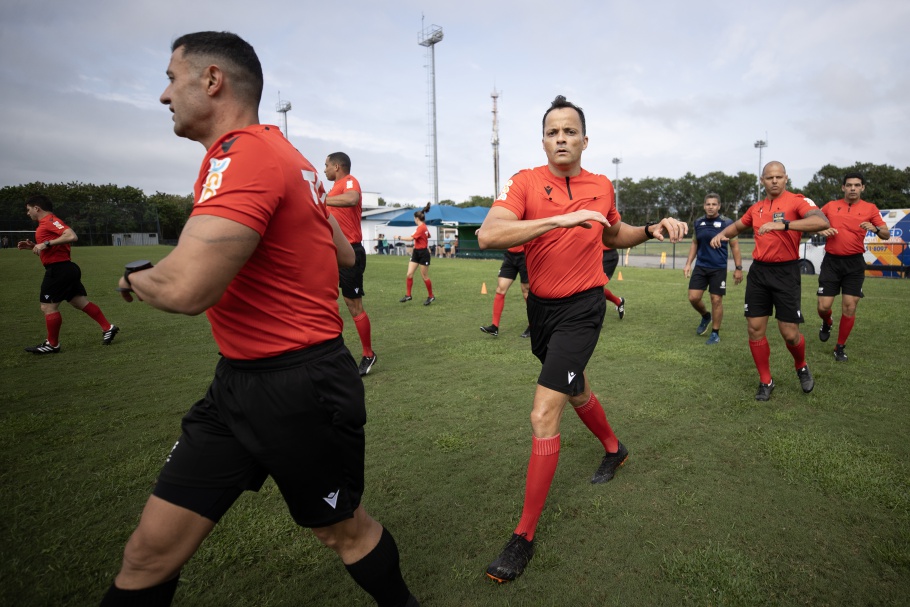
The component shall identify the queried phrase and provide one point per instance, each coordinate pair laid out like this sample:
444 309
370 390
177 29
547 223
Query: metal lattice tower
283 108
495 96
429 37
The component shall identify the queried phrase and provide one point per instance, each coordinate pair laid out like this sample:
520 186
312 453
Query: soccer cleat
429 301
45 348
491 330
527 332
839 354
825 332
764 391
805 379
366 363
513 559
109 335
404 299
621 308
610 464
703 325
713 340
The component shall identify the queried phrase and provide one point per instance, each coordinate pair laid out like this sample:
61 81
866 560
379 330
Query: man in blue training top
711 268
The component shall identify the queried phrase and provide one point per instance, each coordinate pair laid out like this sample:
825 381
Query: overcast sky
669 86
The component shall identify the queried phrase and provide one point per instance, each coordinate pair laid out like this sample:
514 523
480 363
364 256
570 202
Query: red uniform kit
845 218
421 237
50 227
777 246
348 218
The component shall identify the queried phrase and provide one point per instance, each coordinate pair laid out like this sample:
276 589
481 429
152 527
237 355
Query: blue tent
443 214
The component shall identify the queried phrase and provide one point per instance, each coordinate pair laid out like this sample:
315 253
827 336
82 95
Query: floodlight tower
616 161
760 144
495 96
283 108
429 37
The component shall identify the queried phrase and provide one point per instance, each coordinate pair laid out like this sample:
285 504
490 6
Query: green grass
724 501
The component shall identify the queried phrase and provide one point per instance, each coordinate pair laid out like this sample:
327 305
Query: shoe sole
499 580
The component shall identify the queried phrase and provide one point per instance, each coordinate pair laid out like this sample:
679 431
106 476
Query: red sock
410 282
96 314
53 322
362 322
761 354
499 302
541 469
593 416
610 297
799 352
826 317
843 330
429 285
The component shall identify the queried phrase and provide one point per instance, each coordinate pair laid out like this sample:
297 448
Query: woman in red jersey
420 256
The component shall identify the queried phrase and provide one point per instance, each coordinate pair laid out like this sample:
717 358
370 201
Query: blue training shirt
705 230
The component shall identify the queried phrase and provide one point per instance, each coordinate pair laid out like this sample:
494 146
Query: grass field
804 500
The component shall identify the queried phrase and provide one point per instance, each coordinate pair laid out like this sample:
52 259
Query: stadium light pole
495 141
760 144
429 37
616 161
283 108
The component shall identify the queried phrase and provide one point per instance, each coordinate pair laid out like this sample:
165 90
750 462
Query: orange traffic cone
619 277
483 288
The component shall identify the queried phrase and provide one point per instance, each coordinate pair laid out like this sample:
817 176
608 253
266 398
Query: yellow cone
619 277
483 288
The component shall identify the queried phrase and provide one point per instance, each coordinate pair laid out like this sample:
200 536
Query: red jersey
421 236
348 218
845 218
50 228
285 297
564 261
517 249
777 245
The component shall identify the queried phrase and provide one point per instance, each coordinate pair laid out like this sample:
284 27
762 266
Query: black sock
379 574
715 331
156 596
706 315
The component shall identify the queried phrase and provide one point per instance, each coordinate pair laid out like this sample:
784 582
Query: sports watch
135 266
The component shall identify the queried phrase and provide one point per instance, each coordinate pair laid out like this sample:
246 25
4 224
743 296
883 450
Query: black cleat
404 299
527 332
610 464
513 559
825 332
109 335
429 301
366 363
764 391
621 308
805 379
839 354
45 348
491 330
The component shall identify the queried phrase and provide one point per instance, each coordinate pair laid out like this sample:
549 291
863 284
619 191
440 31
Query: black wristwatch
135 266
740 268
648 233
786 223
47 243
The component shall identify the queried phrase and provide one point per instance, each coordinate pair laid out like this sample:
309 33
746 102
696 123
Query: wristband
648 235
135 266
786 224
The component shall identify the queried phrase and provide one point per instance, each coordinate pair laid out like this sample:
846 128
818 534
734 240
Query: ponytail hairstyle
421 215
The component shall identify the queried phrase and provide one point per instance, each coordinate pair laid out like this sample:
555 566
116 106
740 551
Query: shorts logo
723 284
571 376
214 179
746 307
171 452
821 290
332 499
799 314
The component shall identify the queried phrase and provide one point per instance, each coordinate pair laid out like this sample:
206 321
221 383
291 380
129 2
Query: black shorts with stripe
713 279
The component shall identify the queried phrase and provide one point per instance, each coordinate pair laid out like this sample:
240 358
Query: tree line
96 211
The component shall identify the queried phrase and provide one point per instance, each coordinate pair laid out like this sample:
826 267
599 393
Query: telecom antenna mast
283 108
429 37
495 96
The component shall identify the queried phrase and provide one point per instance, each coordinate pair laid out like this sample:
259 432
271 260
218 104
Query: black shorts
297 417
564 333
774 286
421 256
714 279
62 282
611 260
513 264
842 274
350 280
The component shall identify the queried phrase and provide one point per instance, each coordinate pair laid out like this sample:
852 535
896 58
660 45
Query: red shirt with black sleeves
777 245
845 218
564 261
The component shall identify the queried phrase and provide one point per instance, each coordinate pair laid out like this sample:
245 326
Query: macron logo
571 376
332 499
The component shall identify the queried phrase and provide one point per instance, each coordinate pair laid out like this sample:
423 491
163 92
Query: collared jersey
50 227
348 218
421 236
845 218
777 245
707 256
285 297
564 261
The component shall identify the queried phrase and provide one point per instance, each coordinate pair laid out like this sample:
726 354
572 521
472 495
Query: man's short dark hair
240 60
559 103
854 175
41 201
342 160
714 196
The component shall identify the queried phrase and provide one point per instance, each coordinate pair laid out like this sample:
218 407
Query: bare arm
68 236
194 276
737 261
731 231
813 221
343 250
348 199
687 269
502 229
877 230
624 236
